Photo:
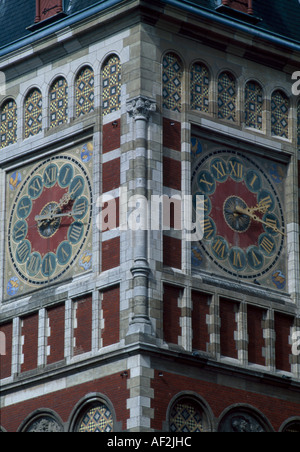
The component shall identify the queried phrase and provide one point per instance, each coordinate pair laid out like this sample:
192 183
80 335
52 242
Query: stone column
139 110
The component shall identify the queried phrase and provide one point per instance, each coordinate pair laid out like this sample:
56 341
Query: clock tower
122 124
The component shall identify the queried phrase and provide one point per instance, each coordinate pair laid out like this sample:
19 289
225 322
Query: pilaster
139 109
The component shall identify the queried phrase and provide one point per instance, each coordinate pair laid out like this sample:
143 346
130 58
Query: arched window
96 417
8 123
187 416
292 427
33 113
172 81
243 419
227 97
58 102
111 82
280 114
199 87
253 105
84 91
46 422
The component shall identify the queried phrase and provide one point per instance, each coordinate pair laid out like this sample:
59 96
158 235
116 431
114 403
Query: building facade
115 315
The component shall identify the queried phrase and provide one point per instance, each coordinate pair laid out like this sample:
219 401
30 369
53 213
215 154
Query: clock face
50 217
243 227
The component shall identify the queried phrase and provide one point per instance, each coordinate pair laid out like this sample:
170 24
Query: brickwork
140 315
82 325
56 332
110 254
6 350
199 321
111 136
283 325
29 342
63 402
111 316
217 396
172 314
228 310
256 341
172 251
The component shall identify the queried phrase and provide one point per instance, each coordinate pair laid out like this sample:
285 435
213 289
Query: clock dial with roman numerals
244 231
50 216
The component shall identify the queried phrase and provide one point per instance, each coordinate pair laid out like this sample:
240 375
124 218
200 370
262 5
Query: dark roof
280 17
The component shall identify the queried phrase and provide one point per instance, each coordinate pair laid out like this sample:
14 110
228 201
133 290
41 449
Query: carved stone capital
140 108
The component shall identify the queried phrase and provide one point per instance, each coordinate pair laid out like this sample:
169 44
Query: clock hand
248 212
54 215
261 207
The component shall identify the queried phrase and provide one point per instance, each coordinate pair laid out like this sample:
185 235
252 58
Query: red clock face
50 220
243 226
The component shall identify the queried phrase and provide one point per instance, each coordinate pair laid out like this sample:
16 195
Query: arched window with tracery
253 105
227 93
280 114
172 82
58 102
96 417
186 415
8 128
111 85
84 91
33 113
200 87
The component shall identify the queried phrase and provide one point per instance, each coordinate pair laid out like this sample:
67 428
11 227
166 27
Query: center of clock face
236 221
50 224
46 235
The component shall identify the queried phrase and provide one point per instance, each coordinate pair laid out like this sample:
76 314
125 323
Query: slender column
139 109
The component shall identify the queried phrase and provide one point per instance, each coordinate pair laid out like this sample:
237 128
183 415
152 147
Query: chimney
47 8
244 6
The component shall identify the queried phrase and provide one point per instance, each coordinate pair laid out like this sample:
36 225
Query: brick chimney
244 6
46 9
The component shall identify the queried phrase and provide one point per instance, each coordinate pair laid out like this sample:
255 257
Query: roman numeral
236 169
267 245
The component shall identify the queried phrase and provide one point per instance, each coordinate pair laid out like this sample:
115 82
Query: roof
279 17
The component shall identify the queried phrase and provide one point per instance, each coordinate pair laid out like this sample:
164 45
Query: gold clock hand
248 212
261 207
52 216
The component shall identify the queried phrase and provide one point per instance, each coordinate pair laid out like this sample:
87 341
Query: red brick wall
255 334
83 331
5 360
283 349
111 136
228 310
63 402
171 173
110 253
172 134
200 328
110 215
56 339
217 396
30 347
111 314
111 175
171 252
171 167
171 314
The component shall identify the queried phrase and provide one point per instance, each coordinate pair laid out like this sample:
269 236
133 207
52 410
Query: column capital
140 107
